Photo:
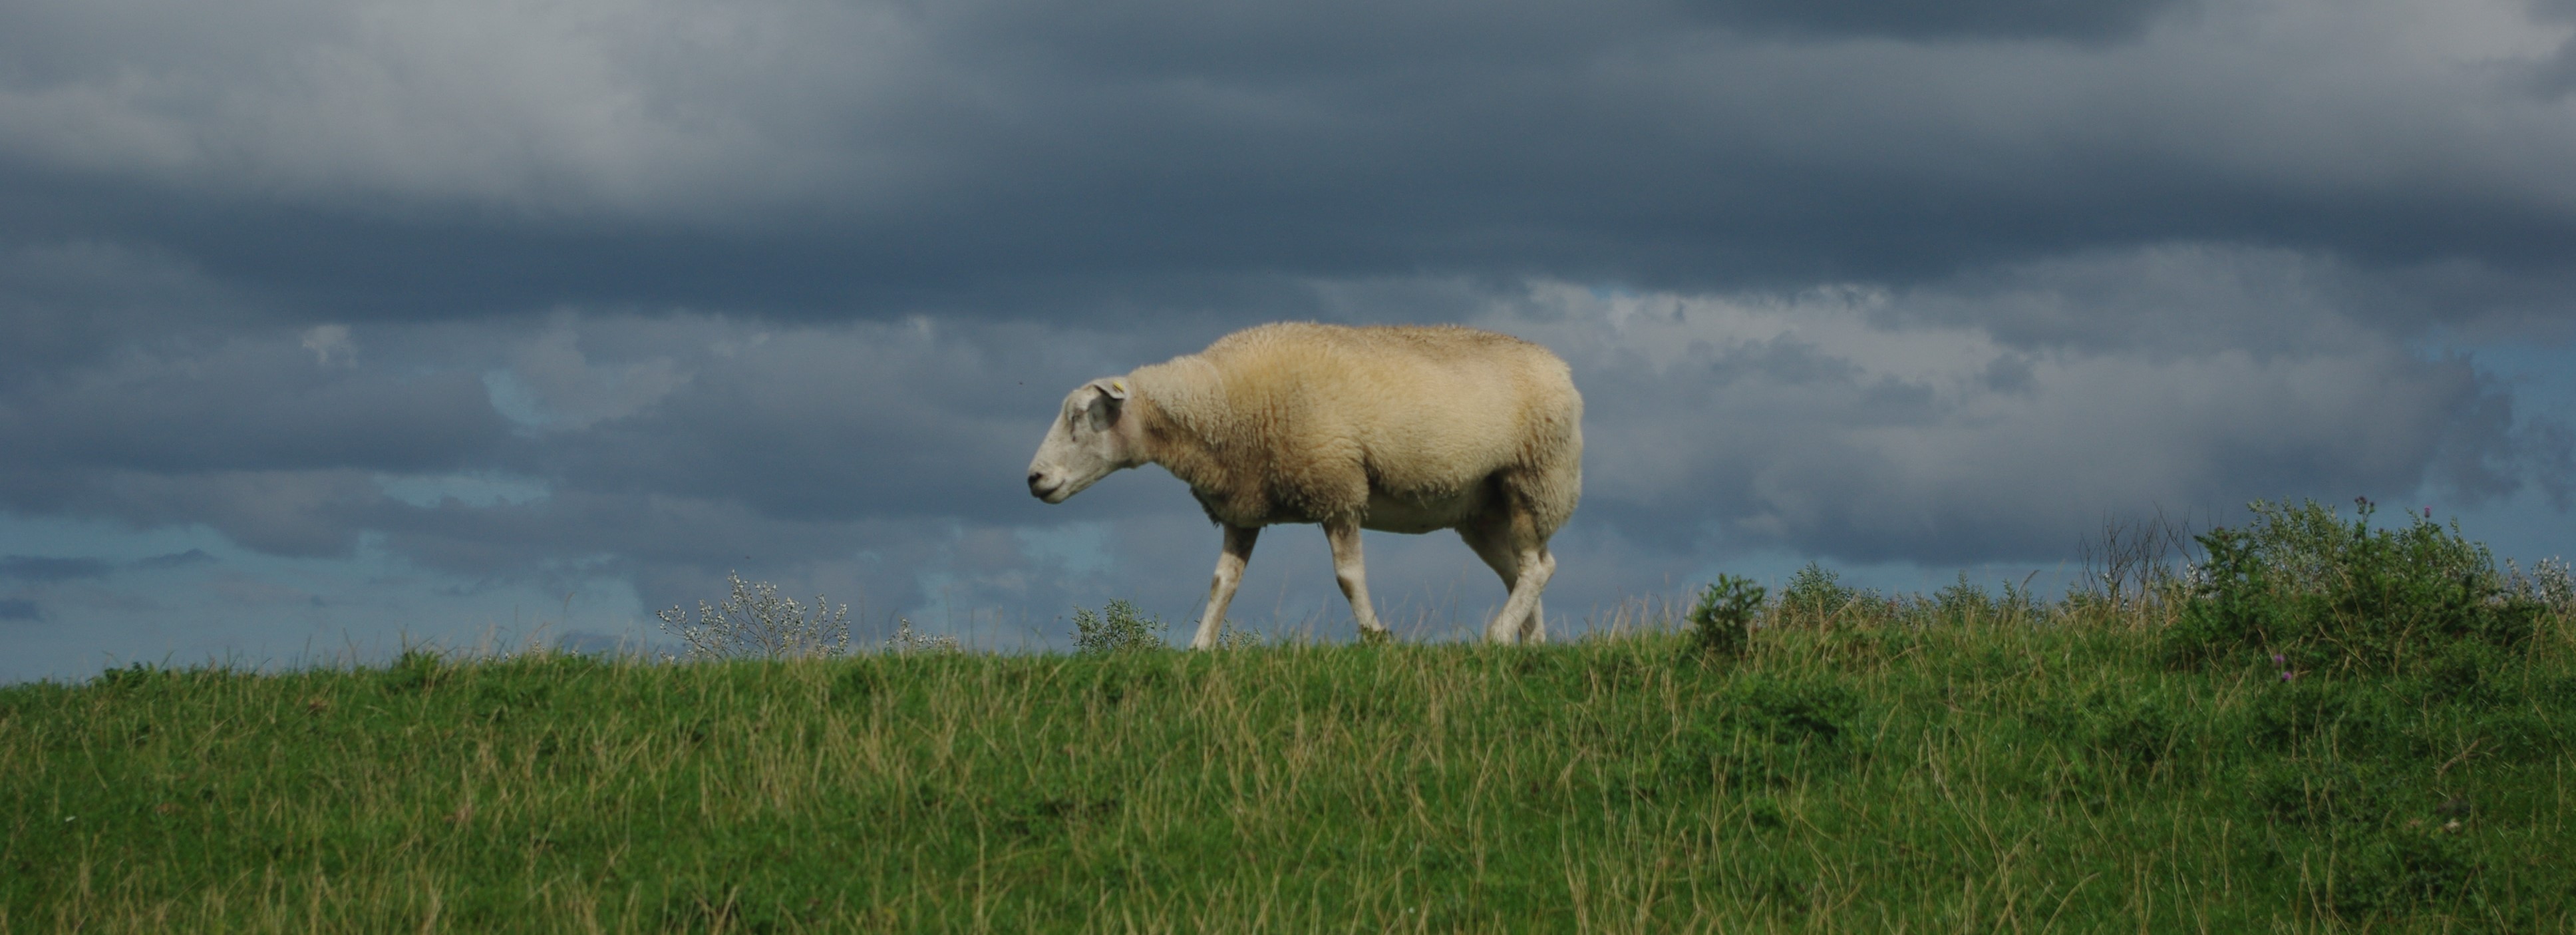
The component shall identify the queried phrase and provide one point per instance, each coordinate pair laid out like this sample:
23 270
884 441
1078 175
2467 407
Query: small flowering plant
907 641
756 623
1117 628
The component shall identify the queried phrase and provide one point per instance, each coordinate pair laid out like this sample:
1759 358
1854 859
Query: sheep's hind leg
1344 535
1525 570
1229 573
1534 629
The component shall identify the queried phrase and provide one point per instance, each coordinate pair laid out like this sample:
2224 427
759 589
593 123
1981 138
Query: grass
1961 767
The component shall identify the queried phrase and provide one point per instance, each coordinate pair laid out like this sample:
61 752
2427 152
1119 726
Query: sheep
1394 428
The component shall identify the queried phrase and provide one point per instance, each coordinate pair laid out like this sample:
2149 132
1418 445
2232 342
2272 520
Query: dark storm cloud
47 569
980 157
173 560
252 405
1865 425
2092 22
271 438
296 513
72 303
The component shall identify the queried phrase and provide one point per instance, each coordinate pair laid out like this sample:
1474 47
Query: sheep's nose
1034 477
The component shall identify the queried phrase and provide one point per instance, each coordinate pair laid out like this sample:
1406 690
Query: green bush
2318 593
1815 596
415 670
1117 628
1963 603
1721 623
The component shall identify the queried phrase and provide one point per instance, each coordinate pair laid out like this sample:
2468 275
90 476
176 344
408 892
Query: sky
329 327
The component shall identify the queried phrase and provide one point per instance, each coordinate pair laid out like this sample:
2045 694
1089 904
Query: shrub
756 623
1963 603
1117 628
2548 584
1722 621
2134 564
1815 596
2301 584
135 677
416 669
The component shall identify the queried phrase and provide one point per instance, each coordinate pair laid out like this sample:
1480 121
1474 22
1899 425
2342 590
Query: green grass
2058 774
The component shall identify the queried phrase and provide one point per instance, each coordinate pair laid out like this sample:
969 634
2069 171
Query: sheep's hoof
1377 637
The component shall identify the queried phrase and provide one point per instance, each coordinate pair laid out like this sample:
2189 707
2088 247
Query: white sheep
1400 429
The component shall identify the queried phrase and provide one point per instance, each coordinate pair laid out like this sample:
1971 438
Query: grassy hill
1952 763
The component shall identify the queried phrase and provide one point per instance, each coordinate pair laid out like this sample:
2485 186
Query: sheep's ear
1112 398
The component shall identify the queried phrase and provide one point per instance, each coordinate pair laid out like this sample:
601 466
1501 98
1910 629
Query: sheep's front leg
1345 538
1229 573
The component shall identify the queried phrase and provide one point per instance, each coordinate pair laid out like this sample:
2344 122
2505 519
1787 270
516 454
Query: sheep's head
1091 438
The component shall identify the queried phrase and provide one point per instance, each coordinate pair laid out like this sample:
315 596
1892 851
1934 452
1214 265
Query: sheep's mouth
1058 486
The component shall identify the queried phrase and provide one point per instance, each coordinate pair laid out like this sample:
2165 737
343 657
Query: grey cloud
1784 360
557 388
174 560
244 404
2170 299
72 303
1849 424
17 609
2089 22
888 159
2550 449
297 513
47 569
483 102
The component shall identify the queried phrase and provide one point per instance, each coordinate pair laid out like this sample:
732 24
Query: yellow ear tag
1119 385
